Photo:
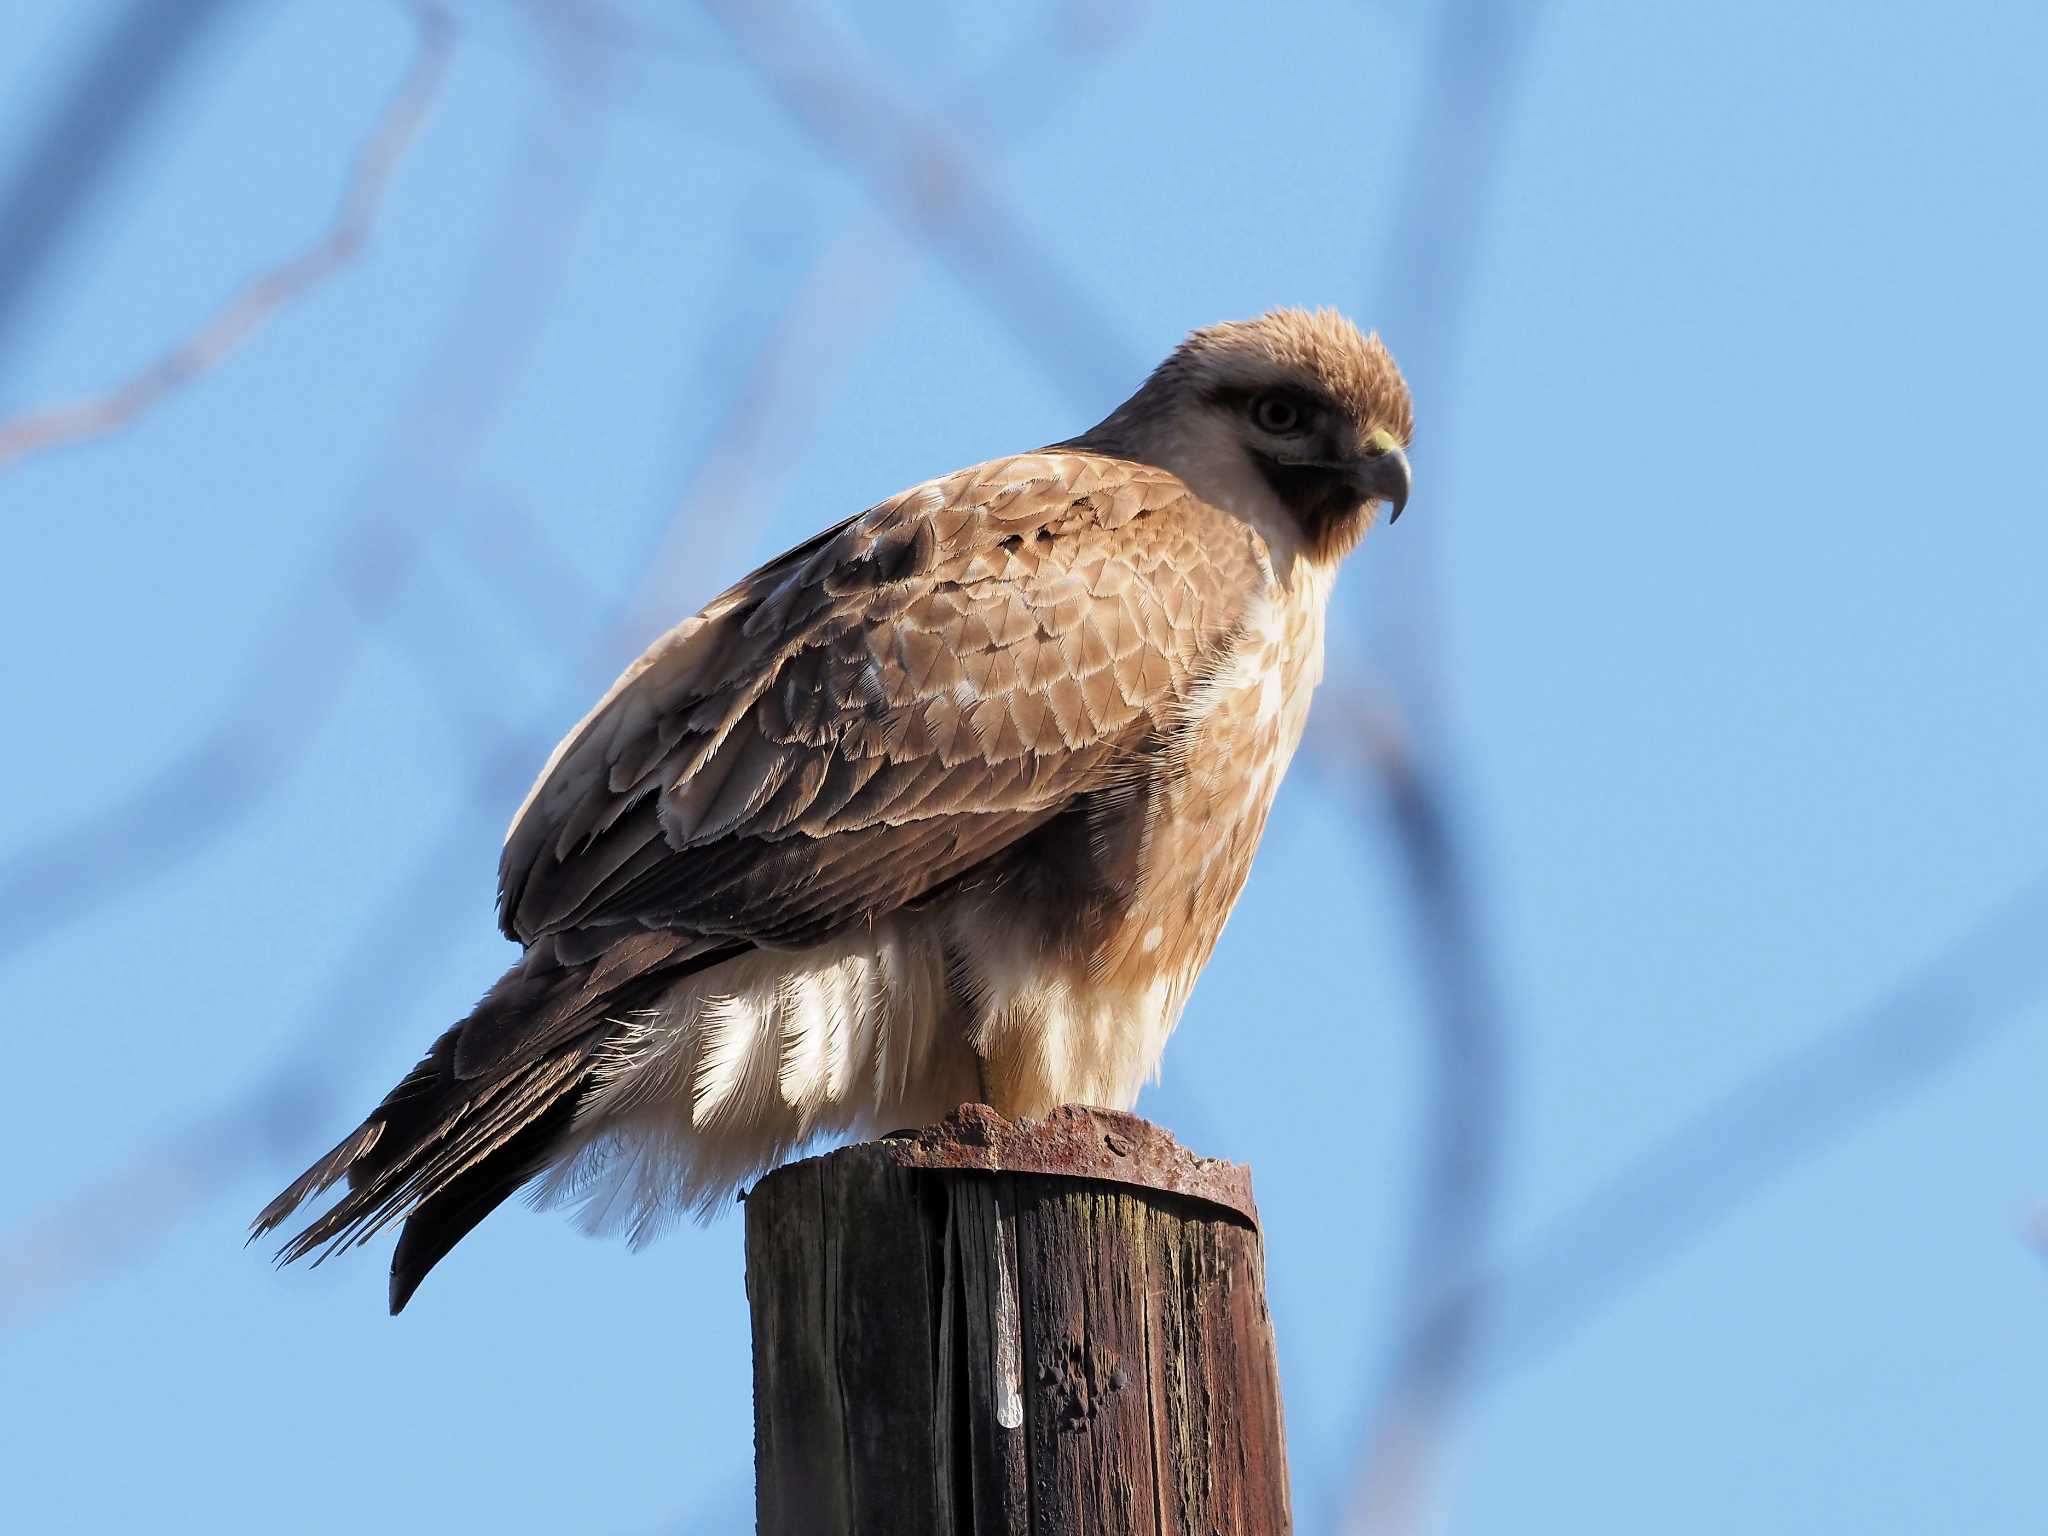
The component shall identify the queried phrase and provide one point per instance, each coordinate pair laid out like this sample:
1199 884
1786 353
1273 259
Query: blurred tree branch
153 1189
116 88
1959 1000
922 178
294 677
1475 51
259 299
1462 1110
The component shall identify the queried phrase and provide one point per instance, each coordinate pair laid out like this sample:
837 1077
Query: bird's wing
884 707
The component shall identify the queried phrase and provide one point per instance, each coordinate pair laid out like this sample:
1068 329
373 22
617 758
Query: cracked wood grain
943 1349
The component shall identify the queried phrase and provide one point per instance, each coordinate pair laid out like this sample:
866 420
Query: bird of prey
947 804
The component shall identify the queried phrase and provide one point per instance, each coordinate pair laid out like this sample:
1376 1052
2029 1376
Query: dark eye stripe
1309 407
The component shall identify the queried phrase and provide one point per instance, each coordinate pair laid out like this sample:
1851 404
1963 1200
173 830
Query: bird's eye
1277 413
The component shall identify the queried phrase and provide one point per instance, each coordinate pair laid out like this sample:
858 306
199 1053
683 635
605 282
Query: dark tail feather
317 1179
441 1153
485 1109
444 1219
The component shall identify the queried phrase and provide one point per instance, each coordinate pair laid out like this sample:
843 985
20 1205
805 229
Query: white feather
739 1066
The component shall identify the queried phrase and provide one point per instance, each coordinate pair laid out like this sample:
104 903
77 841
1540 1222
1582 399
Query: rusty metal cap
1076 1143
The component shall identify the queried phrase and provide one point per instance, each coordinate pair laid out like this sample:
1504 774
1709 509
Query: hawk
947 804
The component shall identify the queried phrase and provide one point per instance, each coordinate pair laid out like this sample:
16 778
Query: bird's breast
1087 1022
1241 731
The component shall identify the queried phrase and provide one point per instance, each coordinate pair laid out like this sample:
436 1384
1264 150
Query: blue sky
1726 570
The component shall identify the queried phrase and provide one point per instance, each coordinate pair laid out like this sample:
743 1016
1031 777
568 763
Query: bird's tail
439 1153
483 1112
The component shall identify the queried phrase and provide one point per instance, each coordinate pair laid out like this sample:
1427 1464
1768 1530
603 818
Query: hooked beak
1381 472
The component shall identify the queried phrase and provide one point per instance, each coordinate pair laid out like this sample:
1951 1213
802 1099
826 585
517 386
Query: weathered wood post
997 1329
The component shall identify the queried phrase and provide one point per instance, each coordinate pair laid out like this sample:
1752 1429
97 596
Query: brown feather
813 697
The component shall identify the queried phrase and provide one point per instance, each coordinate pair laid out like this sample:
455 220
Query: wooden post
997 1329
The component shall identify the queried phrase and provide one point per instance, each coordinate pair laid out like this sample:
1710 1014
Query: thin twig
1477 1324
1461 1123
923 180
49 1258
259 299
833 309
94 118
295 674
1971 993
1454 149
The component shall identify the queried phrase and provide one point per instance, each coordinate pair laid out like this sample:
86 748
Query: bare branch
262 296
816 333
94 119
1474 1324
1958 1001
295 674
1359 745
1462 1141
1477 49
48 1258
925 182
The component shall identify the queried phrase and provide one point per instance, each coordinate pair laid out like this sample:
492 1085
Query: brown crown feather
1353 367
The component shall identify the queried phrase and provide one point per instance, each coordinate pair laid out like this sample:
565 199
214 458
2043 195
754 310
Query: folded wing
876 712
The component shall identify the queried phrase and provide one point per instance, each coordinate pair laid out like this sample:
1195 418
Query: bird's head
1299 405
